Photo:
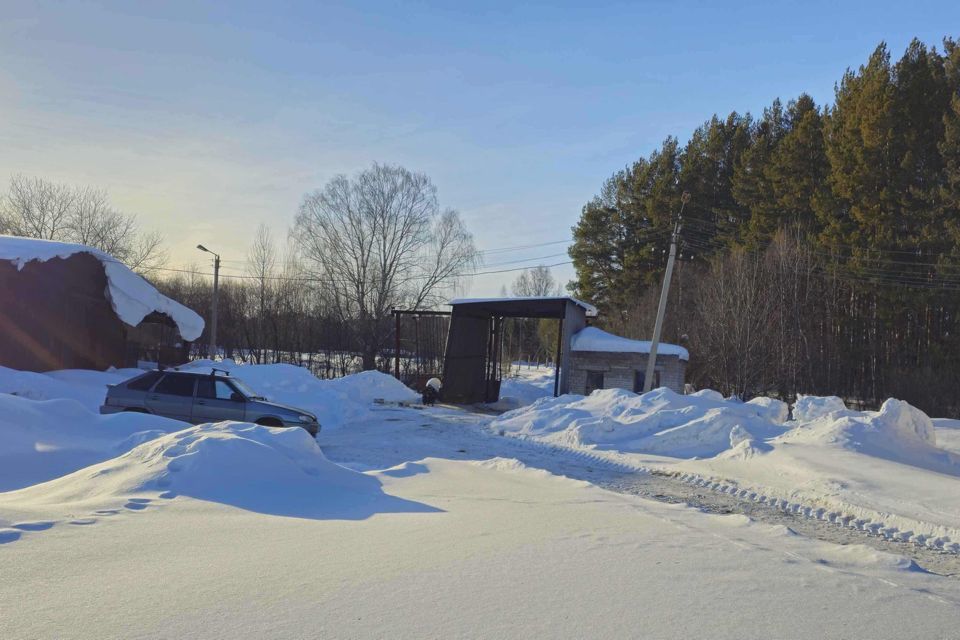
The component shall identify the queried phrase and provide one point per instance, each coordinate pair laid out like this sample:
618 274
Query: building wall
619 370
55 315
574 319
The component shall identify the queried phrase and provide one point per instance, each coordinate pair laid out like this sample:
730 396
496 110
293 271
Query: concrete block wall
618 370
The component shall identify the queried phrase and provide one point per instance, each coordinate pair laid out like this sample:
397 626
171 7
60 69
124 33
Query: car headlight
306 419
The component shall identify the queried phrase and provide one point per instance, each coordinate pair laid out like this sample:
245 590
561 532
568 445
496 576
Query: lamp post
213 310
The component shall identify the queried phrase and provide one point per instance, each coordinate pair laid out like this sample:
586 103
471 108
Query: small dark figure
431 392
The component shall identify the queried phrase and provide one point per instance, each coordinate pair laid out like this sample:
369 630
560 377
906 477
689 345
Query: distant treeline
820 248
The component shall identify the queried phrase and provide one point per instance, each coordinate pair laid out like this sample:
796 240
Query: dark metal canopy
545 307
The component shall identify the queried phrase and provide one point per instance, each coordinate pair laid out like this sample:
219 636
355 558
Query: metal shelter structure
471 370
420 339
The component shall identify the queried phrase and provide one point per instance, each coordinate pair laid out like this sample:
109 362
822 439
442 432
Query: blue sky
207 119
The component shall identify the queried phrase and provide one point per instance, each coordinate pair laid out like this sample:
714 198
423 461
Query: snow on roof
131 297
589 308
594 339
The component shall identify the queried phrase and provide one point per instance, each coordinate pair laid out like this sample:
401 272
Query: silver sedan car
202 397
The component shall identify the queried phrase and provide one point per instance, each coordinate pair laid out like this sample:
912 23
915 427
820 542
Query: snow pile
594 339
278 471
334 402
885 471
131 297
367 386
86 387
660 421
897 427
808 408
774 410
708 393
45 439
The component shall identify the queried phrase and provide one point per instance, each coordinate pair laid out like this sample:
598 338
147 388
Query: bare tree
378 241
261 263
734 336
38 208
537 282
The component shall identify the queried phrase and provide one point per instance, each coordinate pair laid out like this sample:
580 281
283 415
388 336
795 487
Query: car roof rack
213 371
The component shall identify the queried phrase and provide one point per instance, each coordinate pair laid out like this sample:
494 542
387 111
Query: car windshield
245 390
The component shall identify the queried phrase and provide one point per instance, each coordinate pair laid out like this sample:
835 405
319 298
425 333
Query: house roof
594 339
131 297
523 307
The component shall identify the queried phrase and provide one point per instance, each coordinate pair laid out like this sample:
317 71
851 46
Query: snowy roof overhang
131 297
524 307
594 339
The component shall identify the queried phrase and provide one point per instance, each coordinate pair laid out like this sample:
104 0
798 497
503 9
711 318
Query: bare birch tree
378 241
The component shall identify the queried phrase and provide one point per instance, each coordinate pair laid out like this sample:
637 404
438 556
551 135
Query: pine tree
706 172
752 186
798 170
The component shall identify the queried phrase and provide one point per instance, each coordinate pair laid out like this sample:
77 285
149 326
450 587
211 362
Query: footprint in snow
34 526
9 535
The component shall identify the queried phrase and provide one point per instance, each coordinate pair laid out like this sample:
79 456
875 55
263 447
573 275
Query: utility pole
213 309
664 293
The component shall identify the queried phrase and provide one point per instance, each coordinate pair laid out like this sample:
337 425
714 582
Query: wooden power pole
664 293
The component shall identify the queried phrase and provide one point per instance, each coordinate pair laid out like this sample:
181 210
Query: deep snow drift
262 469
661 422
881 471
84 386
334 402
50 423
41 440
197 532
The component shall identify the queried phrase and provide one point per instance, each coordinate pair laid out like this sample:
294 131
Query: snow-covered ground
405 522
525 384
883 471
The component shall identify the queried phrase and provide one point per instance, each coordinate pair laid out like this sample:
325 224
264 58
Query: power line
524 246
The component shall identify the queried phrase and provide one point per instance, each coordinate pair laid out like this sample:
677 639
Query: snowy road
407 434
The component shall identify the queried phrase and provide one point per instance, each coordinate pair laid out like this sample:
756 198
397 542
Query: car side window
175 385
213 389
144 382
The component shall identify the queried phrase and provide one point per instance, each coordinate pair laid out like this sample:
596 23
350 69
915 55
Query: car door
172 397
217 400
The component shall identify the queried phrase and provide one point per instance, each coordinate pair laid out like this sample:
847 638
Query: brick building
601 360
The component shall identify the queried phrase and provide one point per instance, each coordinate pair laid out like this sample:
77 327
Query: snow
777 411
334 402
594 339
407 523
262 469
430 547
525 385
131 297
812 407
589 308
41 440
661 422
865 466
883 469
86 387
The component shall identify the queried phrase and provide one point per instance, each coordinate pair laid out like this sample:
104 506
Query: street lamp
213 311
